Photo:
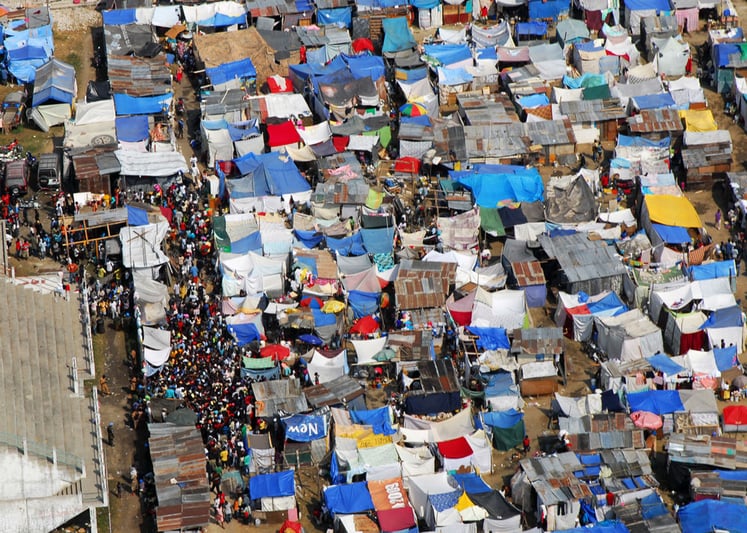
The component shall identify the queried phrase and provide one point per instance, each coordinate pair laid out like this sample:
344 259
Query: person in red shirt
527 444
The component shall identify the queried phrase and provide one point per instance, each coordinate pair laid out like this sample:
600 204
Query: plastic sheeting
347 499
274 485
660 402
397 35
241 69
141 105
672 211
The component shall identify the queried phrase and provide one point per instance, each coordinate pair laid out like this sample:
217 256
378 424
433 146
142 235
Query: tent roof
55 81
672 211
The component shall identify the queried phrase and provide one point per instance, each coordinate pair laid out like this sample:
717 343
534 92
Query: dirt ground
74 45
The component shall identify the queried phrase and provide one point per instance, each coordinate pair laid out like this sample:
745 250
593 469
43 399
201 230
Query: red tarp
735 415
362 44
340 142
290 526
278 84
396 519
407 164
391 503
365 325
282 134
455 449
276 351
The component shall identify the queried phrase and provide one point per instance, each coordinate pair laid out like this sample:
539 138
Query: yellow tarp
699 120
374 441
672 211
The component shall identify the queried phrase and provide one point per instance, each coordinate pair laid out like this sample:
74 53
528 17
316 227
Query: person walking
219 516
718 218
110 434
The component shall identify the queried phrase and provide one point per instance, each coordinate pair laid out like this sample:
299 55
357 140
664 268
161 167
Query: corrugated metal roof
339 390
413 345
539 340
722 452
550 132
422 284
139 76
178 454
582 259
655 121
276 395
592 110
438 376
495 140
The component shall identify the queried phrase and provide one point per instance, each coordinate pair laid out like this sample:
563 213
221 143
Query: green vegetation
102 518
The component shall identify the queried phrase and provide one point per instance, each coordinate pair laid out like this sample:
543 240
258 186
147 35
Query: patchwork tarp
379 419
507 428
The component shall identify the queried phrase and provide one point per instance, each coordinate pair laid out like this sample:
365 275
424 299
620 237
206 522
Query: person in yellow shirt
224 457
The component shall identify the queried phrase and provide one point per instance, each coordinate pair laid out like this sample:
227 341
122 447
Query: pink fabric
646 420
689 15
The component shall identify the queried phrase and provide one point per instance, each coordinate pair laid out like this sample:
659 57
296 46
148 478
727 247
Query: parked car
49 171
14 106
16 177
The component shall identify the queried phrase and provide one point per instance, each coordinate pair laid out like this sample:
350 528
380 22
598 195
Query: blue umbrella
308 338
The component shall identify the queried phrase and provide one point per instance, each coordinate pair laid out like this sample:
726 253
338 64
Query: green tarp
507 438
490 222
600 92
222 242
258 363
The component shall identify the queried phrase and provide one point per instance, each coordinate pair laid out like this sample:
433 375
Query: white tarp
156 338
219 145
156 358
365 349
207 11
420 488
48 115
701 363
251 272
318 133
503 309
93 112
481 452
416 461
141 245
152 164
285 105
629 336
328 368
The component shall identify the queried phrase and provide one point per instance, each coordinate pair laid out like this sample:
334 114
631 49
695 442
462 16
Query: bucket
593 384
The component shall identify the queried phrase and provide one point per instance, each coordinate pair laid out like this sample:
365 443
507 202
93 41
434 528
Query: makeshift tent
725 327
712 515
735 418
434 499
493 184
328 364
55 90
660 402
506 427
348 499
575 313
672 57
275 491
629 336
392 505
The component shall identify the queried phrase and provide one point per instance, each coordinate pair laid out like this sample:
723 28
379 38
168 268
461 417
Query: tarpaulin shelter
493 184
392 505
672 57
348 499
507 428
329 364
636 10
397 36
55 89
276 491
305 428
570 31
660 402
735 418
504 309
629 336
712 515
575 312
434 499
725 326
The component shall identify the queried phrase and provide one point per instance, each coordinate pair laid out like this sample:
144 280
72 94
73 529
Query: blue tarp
652 506
136 216
141 105
732 475
654 101
660 402
309 70
250 243
323 319
423 120
531 28
23 62
547 9
487 53
658 5
347 246
717 269
533 100
672 234
378 419
722 52
448 54
363 303
424 4
275 485
269 175
499 384
54 81
243 68
491 338
726 358
489 189
397 35
242 130
502 419
472 483
365 65
119 17
379 240
305 428
584 81
132 129
309 238
642 142
453 76
608 526
706 516
610 305
728 317
219 20
348 499
336 16
244 333
664 363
